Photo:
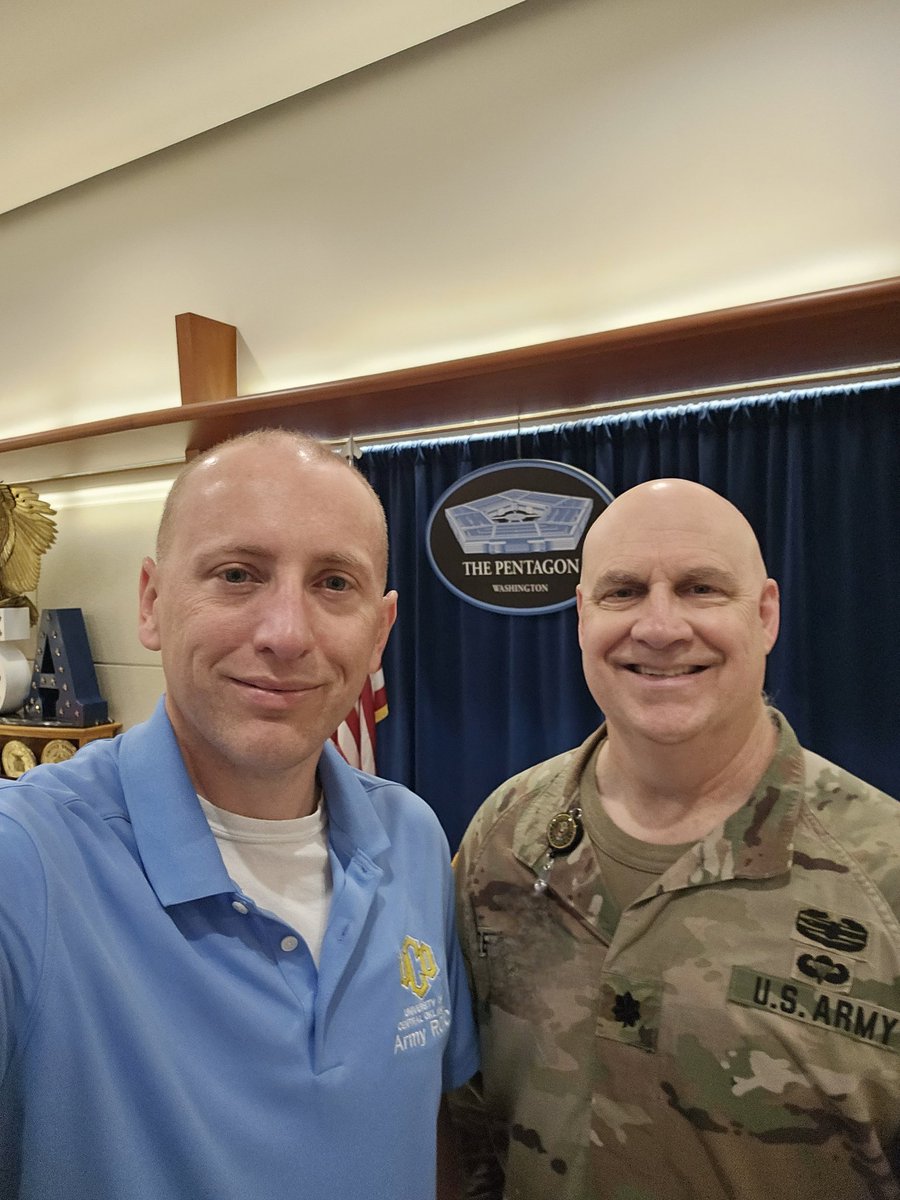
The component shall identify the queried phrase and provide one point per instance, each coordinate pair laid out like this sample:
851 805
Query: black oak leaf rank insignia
627 1010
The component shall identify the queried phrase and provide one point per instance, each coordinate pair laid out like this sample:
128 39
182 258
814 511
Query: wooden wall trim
823 332
839 330
207 359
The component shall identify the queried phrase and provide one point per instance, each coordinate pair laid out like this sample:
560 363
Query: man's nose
283 621
661 620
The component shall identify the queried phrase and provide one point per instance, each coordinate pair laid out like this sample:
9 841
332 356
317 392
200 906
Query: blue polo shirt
163 1038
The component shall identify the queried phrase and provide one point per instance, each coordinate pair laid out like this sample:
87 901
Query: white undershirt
282 866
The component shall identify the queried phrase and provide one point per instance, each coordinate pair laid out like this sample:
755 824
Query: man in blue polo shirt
228 963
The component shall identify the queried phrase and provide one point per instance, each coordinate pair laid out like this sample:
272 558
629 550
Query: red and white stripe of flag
355 736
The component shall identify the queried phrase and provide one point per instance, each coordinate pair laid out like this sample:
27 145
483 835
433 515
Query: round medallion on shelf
16 759
57 751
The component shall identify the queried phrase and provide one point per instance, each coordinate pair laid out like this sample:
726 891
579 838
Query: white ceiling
87 85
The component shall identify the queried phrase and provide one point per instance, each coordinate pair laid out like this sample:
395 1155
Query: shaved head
207 464
665 503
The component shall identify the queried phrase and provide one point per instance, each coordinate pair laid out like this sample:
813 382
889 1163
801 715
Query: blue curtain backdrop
476 696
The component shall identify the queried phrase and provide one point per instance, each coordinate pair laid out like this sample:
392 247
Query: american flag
355 736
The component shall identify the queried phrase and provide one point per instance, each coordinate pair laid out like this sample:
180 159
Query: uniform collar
179 853
756 842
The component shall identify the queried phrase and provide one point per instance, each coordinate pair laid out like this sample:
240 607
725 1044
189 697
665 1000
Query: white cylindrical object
15 678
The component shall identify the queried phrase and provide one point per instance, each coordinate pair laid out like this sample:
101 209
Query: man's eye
235 575
336 583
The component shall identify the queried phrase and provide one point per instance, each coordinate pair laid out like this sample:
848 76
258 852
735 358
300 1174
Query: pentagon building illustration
519 522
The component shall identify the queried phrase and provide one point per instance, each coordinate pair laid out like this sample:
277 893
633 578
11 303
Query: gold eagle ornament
26 532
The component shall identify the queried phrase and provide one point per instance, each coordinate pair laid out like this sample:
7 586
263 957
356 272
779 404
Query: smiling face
675 616
267 606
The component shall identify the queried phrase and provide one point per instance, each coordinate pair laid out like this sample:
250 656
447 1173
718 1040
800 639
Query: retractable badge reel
564 832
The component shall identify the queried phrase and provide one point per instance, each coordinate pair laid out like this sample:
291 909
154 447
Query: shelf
33 739
843 330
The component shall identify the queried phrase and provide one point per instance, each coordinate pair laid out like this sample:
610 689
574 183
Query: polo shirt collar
353 824
178 851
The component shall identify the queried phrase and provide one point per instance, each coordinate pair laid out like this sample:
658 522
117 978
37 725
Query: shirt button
289 943
240 907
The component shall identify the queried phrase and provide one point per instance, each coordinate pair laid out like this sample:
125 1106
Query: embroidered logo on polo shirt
428 1018
417 966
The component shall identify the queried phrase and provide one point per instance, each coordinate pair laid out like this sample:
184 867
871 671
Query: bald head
225 460
669 507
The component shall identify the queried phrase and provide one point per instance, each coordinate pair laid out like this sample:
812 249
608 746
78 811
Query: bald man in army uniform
683 935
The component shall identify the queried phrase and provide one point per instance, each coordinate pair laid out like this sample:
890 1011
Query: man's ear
148 630
579 600
770 612
387 617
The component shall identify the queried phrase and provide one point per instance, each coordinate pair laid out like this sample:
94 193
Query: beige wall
98 83
563 167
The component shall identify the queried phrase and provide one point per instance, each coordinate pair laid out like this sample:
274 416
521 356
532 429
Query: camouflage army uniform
734 1033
